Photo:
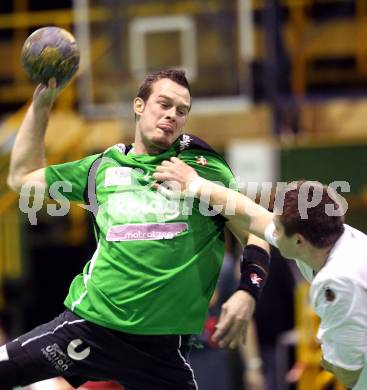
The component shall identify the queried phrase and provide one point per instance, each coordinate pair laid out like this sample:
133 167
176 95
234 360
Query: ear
299 239
139 105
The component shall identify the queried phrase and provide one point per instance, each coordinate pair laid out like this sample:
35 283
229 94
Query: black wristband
255 266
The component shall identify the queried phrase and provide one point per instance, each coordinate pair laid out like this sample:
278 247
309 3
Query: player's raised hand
236 313
175 171
45 95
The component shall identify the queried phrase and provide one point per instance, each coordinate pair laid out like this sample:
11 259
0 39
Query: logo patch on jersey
146 231
255 279
121 148
329 294
77 354
201 160
118 176
185 142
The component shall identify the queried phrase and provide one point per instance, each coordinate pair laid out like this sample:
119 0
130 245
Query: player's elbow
14 182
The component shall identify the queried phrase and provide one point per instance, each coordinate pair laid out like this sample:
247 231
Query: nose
171 113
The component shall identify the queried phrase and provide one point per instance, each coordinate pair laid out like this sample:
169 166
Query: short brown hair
178 76
319 228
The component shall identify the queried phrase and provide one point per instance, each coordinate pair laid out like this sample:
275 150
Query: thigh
42 353
22 365
17 368
156 363
79 351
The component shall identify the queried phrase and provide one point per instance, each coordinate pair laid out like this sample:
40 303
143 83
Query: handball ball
50 52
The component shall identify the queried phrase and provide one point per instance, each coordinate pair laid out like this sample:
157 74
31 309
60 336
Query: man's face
162 117
287 245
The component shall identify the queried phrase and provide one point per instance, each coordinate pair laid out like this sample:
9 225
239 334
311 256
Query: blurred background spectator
275 319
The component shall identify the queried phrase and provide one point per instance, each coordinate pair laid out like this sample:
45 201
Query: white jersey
338 295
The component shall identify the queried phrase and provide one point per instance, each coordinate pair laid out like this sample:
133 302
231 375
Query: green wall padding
326 164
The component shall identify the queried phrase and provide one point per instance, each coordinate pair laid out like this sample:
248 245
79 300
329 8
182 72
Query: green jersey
157 259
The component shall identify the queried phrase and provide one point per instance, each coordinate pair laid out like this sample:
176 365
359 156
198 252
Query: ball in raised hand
50 52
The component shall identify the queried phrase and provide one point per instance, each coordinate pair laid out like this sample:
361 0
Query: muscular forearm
254 240
242 213
237 208
28 152
28 155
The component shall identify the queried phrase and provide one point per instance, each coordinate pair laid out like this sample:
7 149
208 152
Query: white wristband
194 186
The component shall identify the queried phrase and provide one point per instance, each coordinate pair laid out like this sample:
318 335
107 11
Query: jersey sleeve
70 179
341 305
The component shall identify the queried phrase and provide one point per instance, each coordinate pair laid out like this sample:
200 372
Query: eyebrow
171 99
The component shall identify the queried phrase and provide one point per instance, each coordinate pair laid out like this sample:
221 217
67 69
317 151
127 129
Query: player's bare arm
242 213
237 311
27 161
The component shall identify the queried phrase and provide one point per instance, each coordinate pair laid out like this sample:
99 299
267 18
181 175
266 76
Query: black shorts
78 350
